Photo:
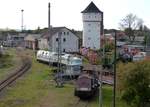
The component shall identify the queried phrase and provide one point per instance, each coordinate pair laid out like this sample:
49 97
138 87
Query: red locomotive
87 84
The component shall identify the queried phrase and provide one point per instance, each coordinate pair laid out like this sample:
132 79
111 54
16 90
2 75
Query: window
64 50
56 39
89 24
64 33
89 38
67 33
60 33
64 39
76 68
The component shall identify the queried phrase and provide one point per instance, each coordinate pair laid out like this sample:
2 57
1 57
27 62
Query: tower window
57 39
64 39
89 38
60 33
89 24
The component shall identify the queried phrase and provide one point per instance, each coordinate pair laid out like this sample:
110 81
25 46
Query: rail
19 72
81 103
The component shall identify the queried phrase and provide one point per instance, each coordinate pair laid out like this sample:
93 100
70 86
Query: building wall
15 40
43 44
69 41
29 44
92 30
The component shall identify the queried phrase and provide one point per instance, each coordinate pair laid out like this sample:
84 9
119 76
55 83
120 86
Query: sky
68 12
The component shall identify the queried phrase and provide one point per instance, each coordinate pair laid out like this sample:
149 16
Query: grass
8 62
107 97
37 89
35 86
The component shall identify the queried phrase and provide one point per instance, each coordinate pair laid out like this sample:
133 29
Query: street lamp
22 20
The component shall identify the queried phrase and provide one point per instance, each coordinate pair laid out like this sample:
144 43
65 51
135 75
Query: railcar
46 56
71 64
86 85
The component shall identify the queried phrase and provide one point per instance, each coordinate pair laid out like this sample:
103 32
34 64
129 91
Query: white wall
70 45
91 17
91 30
43 44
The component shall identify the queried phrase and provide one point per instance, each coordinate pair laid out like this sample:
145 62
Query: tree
130 24
146 39
134 83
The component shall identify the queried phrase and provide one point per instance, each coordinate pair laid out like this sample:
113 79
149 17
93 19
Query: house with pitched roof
92 26
31 41
15 40
49 40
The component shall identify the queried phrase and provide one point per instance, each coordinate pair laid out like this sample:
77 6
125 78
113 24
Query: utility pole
101 72
49 31
22 26
114 88
59 51
59 70
49 12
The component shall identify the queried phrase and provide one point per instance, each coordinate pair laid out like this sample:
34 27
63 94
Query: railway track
19 72
81 103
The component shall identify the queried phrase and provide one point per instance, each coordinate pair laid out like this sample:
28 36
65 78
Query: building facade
92 26
31 41
15 40
69 41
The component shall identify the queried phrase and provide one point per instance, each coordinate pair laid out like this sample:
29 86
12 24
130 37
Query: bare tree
130 24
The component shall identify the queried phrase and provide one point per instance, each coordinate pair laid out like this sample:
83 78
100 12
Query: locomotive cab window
76 68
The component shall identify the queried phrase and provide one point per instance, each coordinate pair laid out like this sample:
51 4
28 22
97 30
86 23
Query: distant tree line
133 26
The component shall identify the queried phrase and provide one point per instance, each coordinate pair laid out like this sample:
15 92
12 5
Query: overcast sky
68 12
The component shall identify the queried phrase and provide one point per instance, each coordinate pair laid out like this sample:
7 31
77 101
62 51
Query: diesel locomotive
86 84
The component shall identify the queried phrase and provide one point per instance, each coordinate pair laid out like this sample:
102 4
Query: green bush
134 83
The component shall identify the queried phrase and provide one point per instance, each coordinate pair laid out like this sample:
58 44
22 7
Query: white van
139 57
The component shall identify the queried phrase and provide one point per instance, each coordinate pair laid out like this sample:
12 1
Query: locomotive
71 64
86 84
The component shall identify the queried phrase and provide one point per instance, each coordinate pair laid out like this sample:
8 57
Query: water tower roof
91 8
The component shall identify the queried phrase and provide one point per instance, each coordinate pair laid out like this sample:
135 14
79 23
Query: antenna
22 20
